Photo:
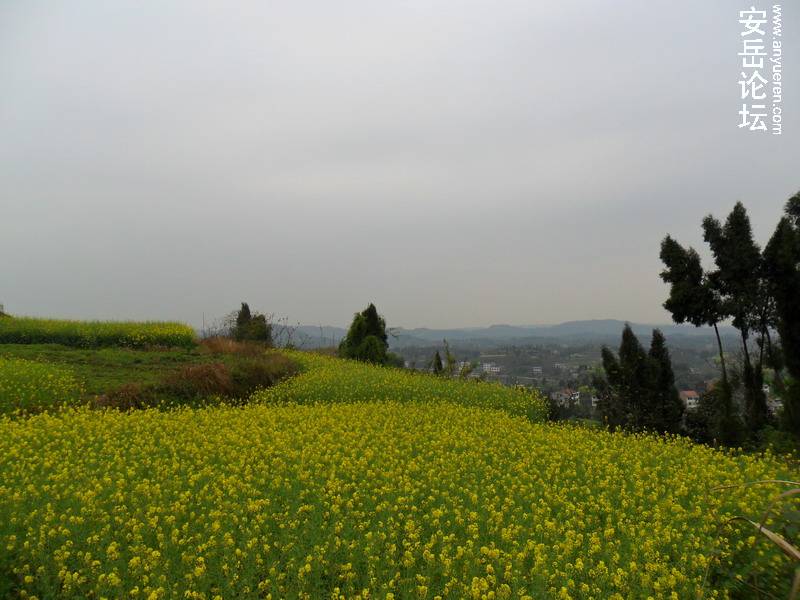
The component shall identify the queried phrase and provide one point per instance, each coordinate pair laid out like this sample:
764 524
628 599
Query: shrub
224 345
129 396
236 379
198 381
250 374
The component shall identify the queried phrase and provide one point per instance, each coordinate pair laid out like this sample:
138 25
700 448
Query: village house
690 399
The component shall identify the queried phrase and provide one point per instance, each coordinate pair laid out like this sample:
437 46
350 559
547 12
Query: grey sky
456 162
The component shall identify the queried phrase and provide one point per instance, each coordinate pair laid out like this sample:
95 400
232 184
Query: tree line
758 292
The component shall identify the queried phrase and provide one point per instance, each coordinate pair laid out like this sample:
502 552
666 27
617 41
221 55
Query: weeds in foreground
783 517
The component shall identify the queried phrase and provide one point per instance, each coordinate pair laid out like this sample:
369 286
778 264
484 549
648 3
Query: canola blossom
93 334
27 385
382 500
331 380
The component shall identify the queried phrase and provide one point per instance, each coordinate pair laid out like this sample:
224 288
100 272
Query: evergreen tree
243 317
738 279
782 268
259 330
626 395
366 339
609 404
438 368
666 407
638 391
635 376
692 299
252 327
697 297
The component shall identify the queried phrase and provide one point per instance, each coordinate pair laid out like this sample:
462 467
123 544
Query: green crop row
93 334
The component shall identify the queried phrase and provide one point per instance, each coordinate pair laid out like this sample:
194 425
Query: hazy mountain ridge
595 330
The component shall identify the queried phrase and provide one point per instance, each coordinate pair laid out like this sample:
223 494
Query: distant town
561 361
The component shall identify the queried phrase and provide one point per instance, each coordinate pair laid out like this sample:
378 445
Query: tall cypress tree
243 317
635 378
666 406
627 397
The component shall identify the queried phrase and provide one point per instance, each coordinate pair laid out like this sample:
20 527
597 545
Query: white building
690 398
490 368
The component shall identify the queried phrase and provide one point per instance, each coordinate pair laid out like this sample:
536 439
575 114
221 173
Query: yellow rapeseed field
26 385
366 500
330 380
94 334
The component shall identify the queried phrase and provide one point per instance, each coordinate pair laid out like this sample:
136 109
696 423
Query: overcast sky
458 163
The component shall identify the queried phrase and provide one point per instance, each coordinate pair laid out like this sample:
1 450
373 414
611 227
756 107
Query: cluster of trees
638 391
367 340
254 327
759 292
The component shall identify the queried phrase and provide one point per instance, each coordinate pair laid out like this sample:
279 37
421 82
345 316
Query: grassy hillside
163 375
356 481
101 369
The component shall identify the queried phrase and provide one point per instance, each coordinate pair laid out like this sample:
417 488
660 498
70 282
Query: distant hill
589 331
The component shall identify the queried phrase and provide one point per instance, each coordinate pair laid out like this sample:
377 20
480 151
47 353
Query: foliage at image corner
758 291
